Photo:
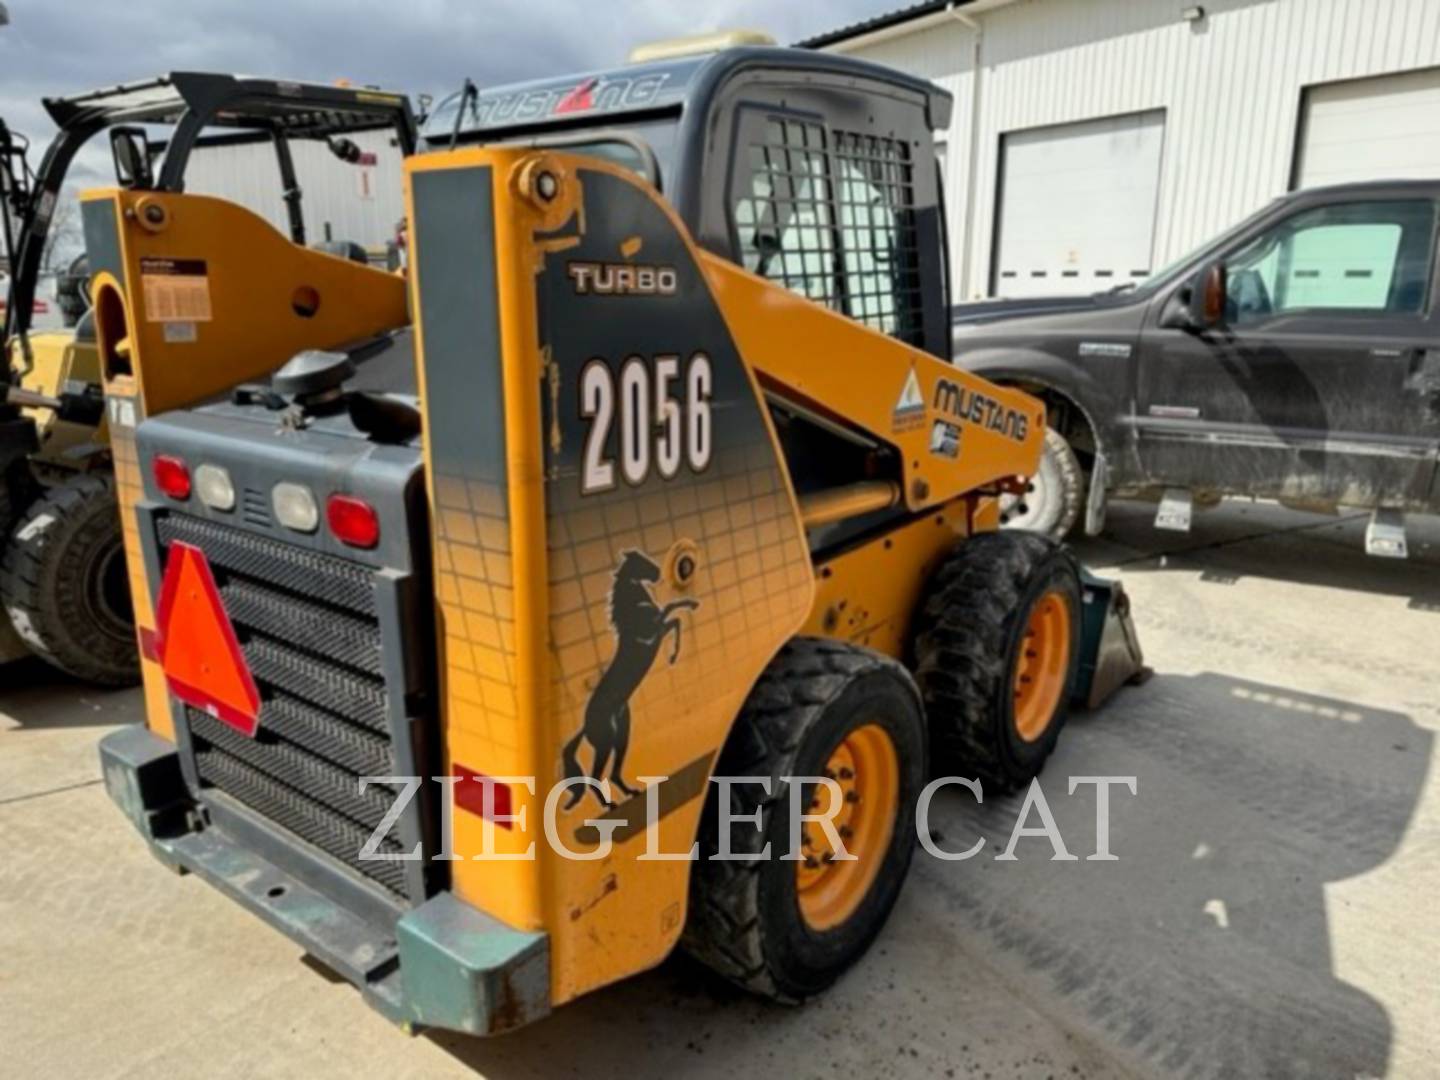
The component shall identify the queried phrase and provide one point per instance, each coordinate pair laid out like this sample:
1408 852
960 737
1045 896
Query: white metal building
1094 141
361 203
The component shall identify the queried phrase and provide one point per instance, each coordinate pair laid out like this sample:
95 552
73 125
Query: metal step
1385 535
1175 510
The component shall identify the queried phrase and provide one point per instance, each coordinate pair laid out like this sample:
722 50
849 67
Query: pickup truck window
1372 257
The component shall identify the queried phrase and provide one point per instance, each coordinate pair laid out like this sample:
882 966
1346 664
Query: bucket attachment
1110 654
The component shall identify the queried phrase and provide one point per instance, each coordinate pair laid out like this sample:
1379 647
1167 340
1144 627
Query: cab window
882 285
1363 257
829 214
786 227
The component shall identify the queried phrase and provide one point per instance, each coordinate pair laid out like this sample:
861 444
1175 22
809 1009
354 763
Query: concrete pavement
1272 912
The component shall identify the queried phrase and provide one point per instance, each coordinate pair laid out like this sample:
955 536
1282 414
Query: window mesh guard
830 215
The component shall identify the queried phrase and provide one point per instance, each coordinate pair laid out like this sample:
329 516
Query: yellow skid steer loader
626 598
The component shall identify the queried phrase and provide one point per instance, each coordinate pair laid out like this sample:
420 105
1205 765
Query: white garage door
1077 205
1371 129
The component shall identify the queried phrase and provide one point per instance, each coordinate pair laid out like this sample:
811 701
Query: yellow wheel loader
617 579
64 590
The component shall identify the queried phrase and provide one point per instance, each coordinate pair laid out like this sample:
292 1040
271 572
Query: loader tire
7 507
997 644
1054 496
787 929
64 585
16 491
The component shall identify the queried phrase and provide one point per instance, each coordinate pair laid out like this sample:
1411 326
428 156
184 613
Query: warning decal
175 290
910 409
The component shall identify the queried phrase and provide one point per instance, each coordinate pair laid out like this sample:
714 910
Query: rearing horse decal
640 626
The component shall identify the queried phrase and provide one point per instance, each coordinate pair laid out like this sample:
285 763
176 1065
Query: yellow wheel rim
1042 663
867 769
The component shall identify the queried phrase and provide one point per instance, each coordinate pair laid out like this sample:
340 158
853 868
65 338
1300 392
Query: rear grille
310 574
308 627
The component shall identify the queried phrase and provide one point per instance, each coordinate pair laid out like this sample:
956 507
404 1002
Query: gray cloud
55 47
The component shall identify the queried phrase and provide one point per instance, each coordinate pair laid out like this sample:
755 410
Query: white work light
295 507
213 485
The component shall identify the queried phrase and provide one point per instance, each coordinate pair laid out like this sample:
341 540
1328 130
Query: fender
1105 411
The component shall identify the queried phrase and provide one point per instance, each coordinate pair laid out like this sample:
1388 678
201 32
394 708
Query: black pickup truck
1295 358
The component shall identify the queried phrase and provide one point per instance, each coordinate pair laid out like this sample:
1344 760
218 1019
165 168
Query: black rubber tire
63 583
968 636
1062 487
17 489
744 920
7 506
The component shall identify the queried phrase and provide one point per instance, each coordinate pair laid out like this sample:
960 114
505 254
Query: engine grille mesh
308 627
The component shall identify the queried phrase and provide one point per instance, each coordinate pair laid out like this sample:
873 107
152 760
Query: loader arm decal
957 432
641 627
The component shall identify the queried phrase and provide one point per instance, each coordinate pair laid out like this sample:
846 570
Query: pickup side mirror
1200 305
1207 303
130 150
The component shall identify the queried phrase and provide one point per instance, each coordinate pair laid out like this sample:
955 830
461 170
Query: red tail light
172 476
353 521
475 790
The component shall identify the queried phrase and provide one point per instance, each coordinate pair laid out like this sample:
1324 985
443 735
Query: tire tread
961 634
724 929
32 605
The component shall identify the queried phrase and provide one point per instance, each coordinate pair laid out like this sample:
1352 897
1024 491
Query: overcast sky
56 47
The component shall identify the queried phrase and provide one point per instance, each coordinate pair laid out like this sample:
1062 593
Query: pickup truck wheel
1056 494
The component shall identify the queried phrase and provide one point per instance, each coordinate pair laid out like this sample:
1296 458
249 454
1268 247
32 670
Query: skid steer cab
626 599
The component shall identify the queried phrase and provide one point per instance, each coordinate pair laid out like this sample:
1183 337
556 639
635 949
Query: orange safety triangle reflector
198 650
